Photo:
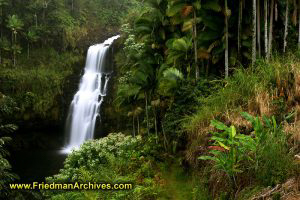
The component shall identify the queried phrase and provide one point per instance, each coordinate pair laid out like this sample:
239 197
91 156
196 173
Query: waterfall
85 106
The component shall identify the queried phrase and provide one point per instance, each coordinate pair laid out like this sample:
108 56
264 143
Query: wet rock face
105 123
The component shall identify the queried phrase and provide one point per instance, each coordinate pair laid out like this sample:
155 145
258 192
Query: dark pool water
36 155
35 165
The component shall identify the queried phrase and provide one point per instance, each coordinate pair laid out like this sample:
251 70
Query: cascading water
85 107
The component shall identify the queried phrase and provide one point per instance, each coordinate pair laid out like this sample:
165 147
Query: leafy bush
184 103
230 150
264 153
115 158
273 158
7 108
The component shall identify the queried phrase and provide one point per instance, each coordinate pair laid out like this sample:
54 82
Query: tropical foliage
116 159
206 94
7 107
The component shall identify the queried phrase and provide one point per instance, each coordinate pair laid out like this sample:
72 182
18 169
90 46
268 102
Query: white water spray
85 107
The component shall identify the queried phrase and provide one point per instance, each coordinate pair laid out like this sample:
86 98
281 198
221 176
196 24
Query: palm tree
2 4
155 104
270 30
298 25
136 111
179 51
139 86
186 14
253 32
240 19
286 25
181 10
266 26
195 44
168 82
127 94
226 40
144 77
258 28
15 25
31 37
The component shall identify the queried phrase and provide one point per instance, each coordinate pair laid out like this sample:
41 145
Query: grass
252 90
182 185
269 89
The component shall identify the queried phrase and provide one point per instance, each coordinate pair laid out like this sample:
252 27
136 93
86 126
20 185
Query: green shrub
264 153
7 108
230 151
113 159
273 158
184 103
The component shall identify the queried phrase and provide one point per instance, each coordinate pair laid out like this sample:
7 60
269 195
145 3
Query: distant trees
62 25
15 25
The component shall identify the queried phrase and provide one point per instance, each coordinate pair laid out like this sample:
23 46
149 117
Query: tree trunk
207 69
28 46
133 126
146 109
239 26
299 26
195 45
12 38
266 27
226 41
271 30
138 125
258 28
36 22
286 25
254 33
155 125
1 32
165 138
14 57
276 11
14 51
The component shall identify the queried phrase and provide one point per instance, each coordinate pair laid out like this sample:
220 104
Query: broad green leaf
218 139
219 125
197 5
174 9
232 132
187 25
237 170
223 145
248 117
176 20
208 158
274 123
180 44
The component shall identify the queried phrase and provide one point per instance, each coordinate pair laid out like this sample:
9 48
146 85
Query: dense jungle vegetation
205 95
